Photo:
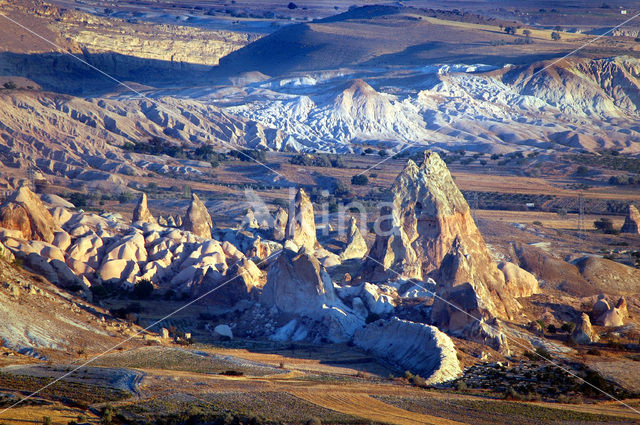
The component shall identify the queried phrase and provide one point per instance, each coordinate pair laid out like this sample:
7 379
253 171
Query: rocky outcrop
301 225
24 211
519 282
631 221
419 348
141 212
280 224
198 221
583 333
610 317
430 232
356 245
297 283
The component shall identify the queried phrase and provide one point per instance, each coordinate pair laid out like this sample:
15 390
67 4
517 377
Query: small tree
292 6
526 33
359 180
10 85
46 420
142 289
555 36
510 30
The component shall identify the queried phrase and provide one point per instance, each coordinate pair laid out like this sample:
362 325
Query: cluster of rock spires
430 245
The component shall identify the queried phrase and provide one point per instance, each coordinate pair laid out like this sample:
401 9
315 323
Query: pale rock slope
419 348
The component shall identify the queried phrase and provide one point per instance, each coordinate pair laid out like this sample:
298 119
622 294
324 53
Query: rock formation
430 232
583 333
356 245
631 221
610 317
419 348
198 221
280 224
24 211
297 283
301 225
141 212
519 282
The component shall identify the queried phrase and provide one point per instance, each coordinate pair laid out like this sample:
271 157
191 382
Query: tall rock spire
141 213
198 221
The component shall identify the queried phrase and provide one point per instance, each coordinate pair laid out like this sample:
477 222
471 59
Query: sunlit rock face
631 221
25 212
301 225
141 212
430 232
198 221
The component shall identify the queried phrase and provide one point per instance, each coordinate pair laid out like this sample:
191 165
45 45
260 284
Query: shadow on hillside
64 73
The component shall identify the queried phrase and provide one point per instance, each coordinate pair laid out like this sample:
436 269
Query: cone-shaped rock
430 232
631 221
301 225
24 211
198 221
584 334
356 245
280 224
141 213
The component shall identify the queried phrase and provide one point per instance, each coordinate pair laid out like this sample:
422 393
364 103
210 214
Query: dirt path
364 406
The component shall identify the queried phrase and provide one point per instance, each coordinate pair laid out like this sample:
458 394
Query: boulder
141 212
419 348
356 245
631 221
583 333
24 211
223 330
198 221
301 225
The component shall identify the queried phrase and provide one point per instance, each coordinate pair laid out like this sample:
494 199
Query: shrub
360 180
605 225
372 317
594 352
314 421
460 385
292 6
10 85
143 289
555 36
419 381
408 375
107 415
46 420
568 327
